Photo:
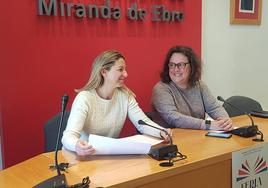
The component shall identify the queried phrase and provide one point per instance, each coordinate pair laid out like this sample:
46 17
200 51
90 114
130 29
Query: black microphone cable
261 137
85 183
171 159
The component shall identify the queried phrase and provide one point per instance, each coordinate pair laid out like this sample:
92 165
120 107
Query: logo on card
246 170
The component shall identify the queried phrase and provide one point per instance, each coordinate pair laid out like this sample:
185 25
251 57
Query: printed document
138 144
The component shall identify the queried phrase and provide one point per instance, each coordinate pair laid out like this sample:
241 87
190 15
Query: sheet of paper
111 146
144 139
221 131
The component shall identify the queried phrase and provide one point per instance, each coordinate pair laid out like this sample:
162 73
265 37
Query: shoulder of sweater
161 85
85 95
123 95
202 83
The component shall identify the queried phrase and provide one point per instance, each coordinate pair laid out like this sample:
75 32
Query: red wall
42 57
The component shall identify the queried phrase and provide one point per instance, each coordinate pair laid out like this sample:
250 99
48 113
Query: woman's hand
225 124
164 135
82 148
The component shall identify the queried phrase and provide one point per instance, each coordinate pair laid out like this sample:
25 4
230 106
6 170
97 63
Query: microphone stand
59 181
253 128
164 152
64 102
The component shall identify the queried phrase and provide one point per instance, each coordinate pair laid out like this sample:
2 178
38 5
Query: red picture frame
245 12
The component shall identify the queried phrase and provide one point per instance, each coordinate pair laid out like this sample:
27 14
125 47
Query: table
208 164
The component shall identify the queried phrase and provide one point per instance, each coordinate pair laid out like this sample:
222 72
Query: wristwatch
207 124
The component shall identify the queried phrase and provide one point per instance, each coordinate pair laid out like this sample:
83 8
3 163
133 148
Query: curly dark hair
195 63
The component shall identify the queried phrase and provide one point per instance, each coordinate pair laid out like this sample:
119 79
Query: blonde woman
102 105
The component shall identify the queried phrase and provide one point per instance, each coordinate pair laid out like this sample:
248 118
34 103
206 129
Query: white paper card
111 146
249 167
144 139
221 131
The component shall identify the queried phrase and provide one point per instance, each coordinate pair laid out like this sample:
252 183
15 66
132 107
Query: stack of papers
138 144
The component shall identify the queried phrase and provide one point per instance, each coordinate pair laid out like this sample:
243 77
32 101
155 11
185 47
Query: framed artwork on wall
245 12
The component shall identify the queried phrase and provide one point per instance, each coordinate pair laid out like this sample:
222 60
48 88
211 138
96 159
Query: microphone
58 181
64 101
163 152
245 131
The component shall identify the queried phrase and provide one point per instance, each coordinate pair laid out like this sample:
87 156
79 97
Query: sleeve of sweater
135 114
164 103
212 106
75 122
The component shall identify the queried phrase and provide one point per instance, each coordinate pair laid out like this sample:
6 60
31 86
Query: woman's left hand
226 124
164 135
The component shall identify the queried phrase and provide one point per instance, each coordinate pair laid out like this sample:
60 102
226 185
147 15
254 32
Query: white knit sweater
90 114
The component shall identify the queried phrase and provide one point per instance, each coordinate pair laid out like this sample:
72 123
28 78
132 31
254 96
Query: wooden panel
202 177
27 173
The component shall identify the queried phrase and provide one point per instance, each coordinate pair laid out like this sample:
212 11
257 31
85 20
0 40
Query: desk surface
135 170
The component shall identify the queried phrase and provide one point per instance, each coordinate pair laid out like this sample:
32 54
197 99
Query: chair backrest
51 131
244 103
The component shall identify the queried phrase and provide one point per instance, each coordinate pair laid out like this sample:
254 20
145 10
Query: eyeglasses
172 65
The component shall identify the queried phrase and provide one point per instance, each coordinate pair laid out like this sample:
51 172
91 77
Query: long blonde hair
103 61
